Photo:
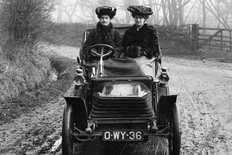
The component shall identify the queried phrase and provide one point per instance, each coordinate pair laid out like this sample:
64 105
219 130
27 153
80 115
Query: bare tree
25 20
86 7
59 10
187 15
204 13
181 6
221 9
70 10
106 2
203 4
156 10
127 3
173 11
156 7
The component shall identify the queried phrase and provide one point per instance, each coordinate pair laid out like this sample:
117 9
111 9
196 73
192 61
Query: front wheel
175 139
68 126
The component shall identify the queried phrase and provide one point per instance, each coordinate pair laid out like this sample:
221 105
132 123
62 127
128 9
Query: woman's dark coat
101 35
145 37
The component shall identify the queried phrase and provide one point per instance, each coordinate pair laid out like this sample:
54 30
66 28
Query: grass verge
179 51
28 101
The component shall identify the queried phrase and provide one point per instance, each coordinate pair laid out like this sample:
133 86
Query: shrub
23 20
69 34
23 66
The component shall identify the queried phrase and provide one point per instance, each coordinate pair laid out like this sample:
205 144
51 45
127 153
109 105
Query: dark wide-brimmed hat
140 10
106 10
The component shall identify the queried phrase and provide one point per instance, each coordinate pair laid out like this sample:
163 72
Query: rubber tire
67 140
175 141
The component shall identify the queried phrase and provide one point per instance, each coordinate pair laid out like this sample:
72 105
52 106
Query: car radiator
122 107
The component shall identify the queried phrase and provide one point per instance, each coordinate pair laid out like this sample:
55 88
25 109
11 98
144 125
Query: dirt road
204 91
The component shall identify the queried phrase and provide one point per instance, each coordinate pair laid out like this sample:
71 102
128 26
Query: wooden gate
213 38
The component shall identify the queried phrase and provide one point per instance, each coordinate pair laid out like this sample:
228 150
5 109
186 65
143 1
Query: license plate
122 135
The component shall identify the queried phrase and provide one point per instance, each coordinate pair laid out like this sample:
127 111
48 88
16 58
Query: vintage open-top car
114 102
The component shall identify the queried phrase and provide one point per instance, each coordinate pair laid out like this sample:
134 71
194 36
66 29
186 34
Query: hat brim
140 10
110 11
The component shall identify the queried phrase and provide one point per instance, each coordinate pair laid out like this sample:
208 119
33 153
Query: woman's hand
134 51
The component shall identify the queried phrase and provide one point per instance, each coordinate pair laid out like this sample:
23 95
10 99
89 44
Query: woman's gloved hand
148 54
134 51
118 52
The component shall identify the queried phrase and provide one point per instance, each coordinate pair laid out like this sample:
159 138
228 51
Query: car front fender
165 106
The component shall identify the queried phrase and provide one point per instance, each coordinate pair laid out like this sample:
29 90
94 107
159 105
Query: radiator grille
127 107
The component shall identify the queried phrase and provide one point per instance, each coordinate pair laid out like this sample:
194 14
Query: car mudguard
165 105
79 111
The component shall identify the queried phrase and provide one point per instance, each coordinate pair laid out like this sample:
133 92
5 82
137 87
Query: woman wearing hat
141 39
104 33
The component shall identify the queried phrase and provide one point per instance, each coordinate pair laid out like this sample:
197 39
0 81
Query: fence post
221 39
195 32
209 45
230 40
189 36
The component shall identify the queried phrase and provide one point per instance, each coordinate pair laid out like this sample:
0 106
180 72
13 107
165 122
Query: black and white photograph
115 77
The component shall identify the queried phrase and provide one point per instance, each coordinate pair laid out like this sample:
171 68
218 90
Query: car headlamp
79 80
164 78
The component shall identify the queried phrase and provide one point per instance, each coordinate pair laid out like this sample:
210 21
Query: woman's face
139 20
105 20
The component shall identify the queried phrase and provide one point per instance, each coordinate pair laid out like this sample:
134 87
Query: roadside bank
32 80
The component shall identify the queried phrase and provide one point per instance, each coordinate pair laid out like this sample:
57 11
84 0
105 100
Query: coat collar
134 29
102 27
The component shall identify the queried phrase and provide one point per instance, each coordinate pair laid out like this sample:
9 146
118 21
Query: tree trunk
93 15
156 14
170 12
181 12
59 11
174 12
152 16
128 17
127 3
164 9
204 15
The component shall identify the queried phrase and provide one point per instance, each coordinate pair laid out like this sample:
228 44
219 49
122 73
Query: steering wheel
101 50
